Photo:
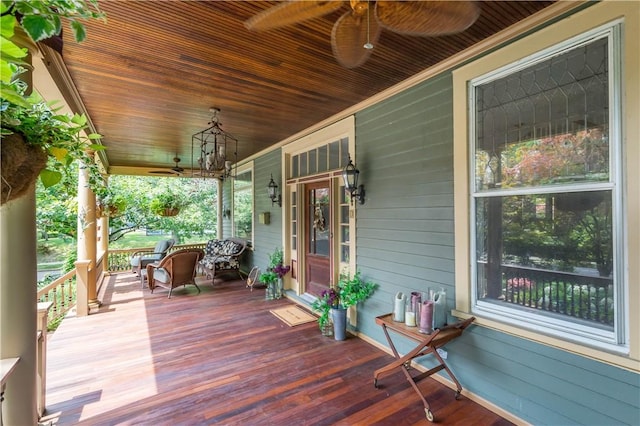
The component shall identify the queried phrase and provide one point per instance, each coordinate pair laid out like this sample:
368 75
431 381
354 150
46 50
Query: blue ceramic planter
339 317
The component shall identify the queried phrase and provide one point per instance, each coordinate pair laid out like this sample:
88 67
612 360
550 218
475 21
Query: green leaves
43 19
41 27
50 177
7 26
78 31
353 290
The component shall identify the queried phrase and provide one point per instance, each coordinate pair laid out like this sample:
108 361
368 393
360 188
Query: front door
318 232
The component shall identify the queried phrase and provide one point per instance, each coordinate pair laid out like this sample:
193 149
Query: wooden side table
426 344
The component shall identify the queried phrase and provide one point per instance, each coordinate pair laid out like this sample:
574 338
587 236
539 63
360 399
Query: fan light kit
213 147
352 31
177 169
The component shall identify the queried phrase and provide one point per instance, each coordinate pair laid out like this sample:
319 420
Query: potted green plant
349 291
274 275
167 204
35 140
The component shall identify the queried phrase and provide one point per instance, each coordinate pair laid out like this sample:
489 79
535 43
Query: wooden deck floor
220 357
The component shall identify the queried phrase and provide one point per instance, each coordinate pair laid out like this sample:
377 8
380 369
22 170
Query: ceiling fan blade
290 12
427 18
349 36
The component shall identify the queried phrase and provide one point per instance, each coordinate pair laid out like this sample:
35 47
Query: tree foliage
558 230
57 211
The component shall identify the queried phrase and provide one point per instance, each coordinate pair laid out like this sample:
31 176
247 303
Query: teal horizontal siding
267 236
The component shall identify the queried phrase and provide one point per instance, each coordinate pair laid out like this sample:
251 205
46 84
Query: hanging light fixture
350 176
215 149
272 190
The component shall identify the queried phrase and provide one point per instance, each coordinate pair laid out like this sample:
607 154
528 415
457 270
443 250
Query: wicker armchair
175 270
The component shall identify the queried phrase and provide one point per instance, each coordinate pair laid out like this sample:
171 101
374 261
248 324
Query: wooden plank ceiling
149 75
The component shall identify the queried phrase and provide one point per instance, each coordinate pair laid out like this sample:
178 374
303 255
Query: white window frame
565 329
626 352
247 167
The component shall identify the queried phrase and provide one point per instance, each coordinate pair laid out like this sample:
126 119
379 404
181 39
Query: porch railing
580 296
119 260
61 292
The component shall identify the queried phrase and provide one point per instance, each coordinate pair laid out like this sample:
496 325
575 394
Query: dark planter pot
339 318
20 165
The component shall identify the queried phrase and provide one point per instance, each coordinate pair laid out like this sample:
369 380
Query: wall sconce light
272 190
226 212
350 176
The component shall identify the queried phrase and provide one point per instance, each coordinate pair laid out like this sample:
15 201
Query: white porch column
18 266
220 208
86 249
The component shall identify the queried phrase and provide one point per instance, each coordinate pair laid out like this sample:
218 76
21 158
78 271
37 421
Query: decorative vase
399 307
279 288
339 318
327 329
269 293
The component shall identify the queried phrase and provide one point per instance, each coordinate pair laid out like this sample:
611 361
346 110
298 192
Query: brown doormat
292 315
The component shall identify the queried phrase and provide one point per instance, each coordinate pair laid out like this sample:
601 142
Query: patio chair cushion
220 262
143 258
161 274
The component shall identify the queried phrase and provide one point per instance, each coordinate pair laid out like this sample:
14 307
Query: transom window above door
331 156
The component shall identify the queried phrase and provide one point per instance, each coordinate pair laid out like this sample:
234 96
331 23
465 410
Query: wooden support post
86 247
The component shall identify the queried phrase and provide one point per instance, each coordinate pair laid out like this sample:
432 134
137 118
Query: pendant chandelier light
214 152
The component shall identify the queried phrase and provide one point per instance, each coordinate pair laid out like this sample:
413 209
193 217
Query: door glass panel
294 221
319 215
344 214
344 225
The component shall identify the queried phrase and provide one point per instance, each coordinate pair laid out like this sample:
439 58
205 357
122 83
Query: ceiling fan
175 170
357 30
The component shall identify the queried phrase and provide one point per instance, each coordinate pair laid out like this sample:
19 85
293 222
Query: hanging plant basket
169 212
20 166
110 211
